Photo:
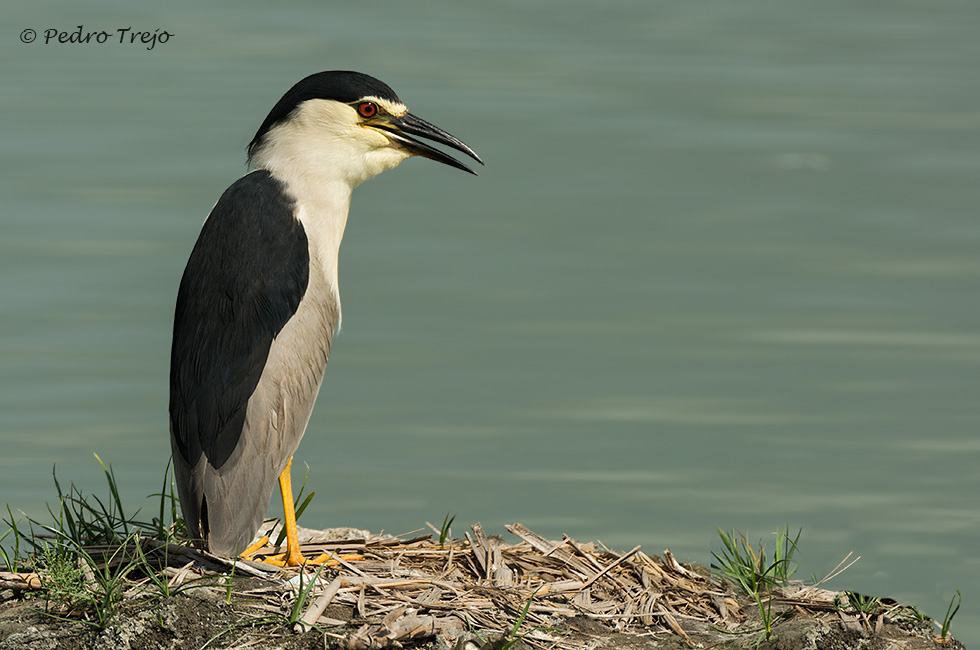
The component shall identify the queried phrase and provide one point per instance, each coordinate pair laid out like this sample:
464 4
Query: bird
258 302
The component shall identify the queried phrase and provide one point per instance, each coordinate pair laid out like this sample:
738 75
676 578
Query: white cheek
326 142
372 138
382 159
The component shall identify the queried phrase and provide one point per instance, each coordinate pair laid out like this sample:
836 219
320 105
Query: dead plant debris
544 593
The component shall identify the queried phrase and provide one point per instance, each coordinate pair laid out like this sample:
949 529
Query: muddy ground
201 619
478 592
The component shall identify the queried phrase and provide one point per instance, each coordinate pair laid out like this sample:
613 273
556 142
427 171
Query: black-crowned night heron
258 302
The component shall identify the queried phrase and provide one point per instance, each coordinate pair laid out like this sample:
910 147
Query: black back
340 85
244 280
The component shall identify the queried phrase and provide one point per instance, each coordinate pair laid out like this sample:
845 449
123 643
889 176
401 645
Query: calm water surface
721 269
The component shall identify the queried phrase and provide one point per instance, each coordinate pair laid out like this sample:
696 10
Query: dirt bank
417 593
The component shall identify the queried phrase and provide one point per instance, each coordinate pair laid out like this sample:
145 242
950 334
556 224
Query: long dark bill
402 128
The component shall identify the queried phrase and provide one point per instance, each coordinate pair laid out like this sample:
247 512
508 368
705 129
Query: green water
721 268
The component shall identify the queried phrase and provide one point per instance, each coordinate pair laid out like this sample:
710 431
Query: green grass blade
950 613
161 521
302 507
303 595
447 522
110 478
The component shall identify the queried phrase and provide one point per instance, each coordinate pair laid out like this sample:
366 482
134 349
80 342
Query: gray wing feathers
237 494
252 332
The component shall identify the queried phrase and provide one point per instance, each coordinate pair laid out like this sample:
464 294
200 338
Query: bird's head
346 126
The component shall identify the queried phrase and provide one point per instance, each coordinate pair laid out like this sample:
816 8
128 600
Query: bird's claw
287 559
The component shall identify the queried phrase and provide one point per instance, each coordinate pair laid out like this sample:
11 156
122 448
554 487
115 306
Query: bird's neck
322 204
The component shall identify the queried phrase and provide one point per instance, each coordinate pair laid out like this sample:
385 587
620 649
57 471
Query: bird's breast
323 214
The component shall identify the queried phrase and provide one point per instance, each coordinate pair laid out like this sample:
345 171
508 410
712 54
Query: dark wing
244 280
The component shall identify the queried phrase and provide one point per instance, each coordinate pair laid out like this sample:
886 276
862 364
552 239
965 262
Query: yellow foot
332 559
281 560
292 556
254 548
328 559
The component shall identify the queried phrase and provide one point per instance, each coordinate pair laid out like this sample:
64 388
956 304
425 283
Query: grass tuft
86 555
302 595
12 558
169 504
750 567
950 613
445 532
865 605
62 577
752 570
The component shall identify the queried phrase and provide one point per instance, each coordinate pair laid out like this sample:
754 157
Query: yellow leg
293 556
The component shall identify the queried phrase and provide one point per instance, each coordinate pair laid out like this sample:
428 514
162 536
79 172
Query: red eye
367 109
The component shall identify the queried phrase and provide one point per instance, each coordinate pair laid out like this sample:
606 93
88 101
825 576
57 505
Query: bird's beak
400 129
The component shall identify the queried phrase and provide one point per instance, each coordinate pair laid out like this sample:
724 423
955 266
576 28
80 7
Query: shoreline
419 593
